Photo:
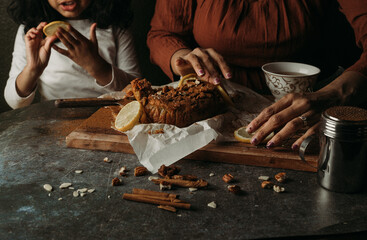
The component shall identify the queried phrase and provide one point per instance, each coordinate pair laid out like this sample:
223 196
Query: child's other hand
38 50
82 51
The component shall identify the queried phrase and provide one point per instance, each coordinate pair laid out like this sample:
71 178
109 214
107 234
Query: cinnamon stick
144 199
153 193
183 183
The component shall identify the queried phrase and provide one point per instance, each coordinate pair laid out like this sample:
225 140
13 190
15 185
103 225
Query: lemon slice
50 29
225 95
128 116
184 79
243 136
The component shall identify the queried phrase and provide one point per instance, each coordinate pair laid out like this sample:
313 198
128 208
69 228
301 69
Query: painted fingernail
228 75
295 147
249 129
270 145
254 141
216 81
200 72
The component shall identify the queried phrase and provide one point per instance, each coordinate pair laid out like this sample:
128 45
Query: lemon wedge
50 29
128 116
243 136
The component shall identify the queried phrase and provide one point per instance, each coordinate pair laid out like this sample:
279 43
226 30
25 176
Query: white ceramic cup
289 77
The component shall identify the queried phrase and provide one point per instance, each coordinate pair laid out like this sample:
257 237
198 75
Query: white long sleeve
63 78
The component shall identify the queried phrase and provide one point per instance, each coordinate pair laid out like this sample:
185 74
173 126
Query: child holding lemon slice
86 61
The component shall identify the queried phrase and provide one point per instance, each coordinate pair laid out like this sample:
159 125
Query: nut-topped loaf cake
193 101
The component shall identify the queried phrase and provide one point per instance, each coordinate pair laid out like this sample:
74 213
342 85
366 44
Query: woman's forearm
26 81
349 87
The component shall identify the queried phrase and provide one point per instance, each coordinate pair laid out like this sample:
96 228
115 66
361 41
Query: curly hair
106 13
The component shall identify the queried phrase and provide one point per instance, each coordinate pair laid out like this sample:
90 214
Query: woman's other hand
84 52
208 64
296 111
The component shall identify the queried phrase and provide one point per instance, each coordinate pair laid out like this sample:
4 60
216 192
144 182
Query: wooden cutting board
95 133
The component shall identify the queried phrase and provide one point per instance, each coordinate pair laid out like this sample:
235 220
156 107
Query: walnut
280 177
116 181
267 184
227 178
140 171
168 171
234 189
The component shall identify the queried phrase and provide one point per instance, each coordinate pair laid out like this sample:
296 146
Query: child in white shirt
86 62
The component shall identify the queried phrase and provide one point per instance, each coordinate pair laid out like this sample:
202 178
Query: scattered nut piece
47 187
168 171
227 178
122 171
280 177
267 184
234 189
65 185
264 178
91 190
151 178
78 171
193 189
212 205
75 194
278 189
109 196
140 171
165 186
82 190
211 174
82 194
168 208
71 188
116 181
106 160
59 199
49 194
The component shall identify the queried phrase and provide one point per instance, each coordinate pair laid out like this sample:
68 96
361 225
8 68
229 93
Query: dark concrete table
33 153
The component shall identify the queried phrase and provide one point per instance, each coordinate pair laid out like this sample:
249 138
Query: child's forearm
26 81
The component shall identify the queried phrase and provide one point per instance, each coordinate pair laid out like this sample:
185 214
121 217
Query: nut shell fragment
267 184
212 205
280 177
278 189
234 189
227 178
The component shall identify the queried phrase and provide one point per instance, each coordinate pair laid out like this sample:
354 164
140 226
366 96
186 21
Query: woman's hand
296 111
291 113
208 64
84 52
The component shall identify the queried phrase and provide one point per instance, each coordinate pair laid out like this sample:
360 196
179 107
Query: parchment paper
157 144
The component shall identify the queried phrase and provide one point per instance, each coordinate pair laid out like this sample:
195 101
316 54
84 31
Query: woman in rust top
234 38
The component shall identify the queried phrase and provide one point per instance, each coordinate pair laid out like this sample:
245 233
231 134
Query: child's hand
38 49
83 51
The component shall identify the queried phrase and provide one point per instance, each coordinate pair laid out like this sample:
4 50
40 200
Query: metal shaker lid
346 122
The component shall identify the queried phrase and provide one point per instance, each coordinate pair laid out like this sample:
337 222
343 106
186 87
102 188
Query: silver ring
304 119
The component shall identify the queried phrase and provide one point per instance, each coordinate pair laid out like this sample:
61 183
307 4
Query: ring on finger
304 119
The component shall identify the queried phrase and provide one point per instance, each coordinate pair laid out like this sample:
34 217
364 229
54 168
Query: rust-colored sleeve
356 13
171 30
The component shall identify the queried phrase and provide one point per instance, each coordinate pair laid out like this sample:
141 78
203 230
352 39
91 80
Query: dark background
143 12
